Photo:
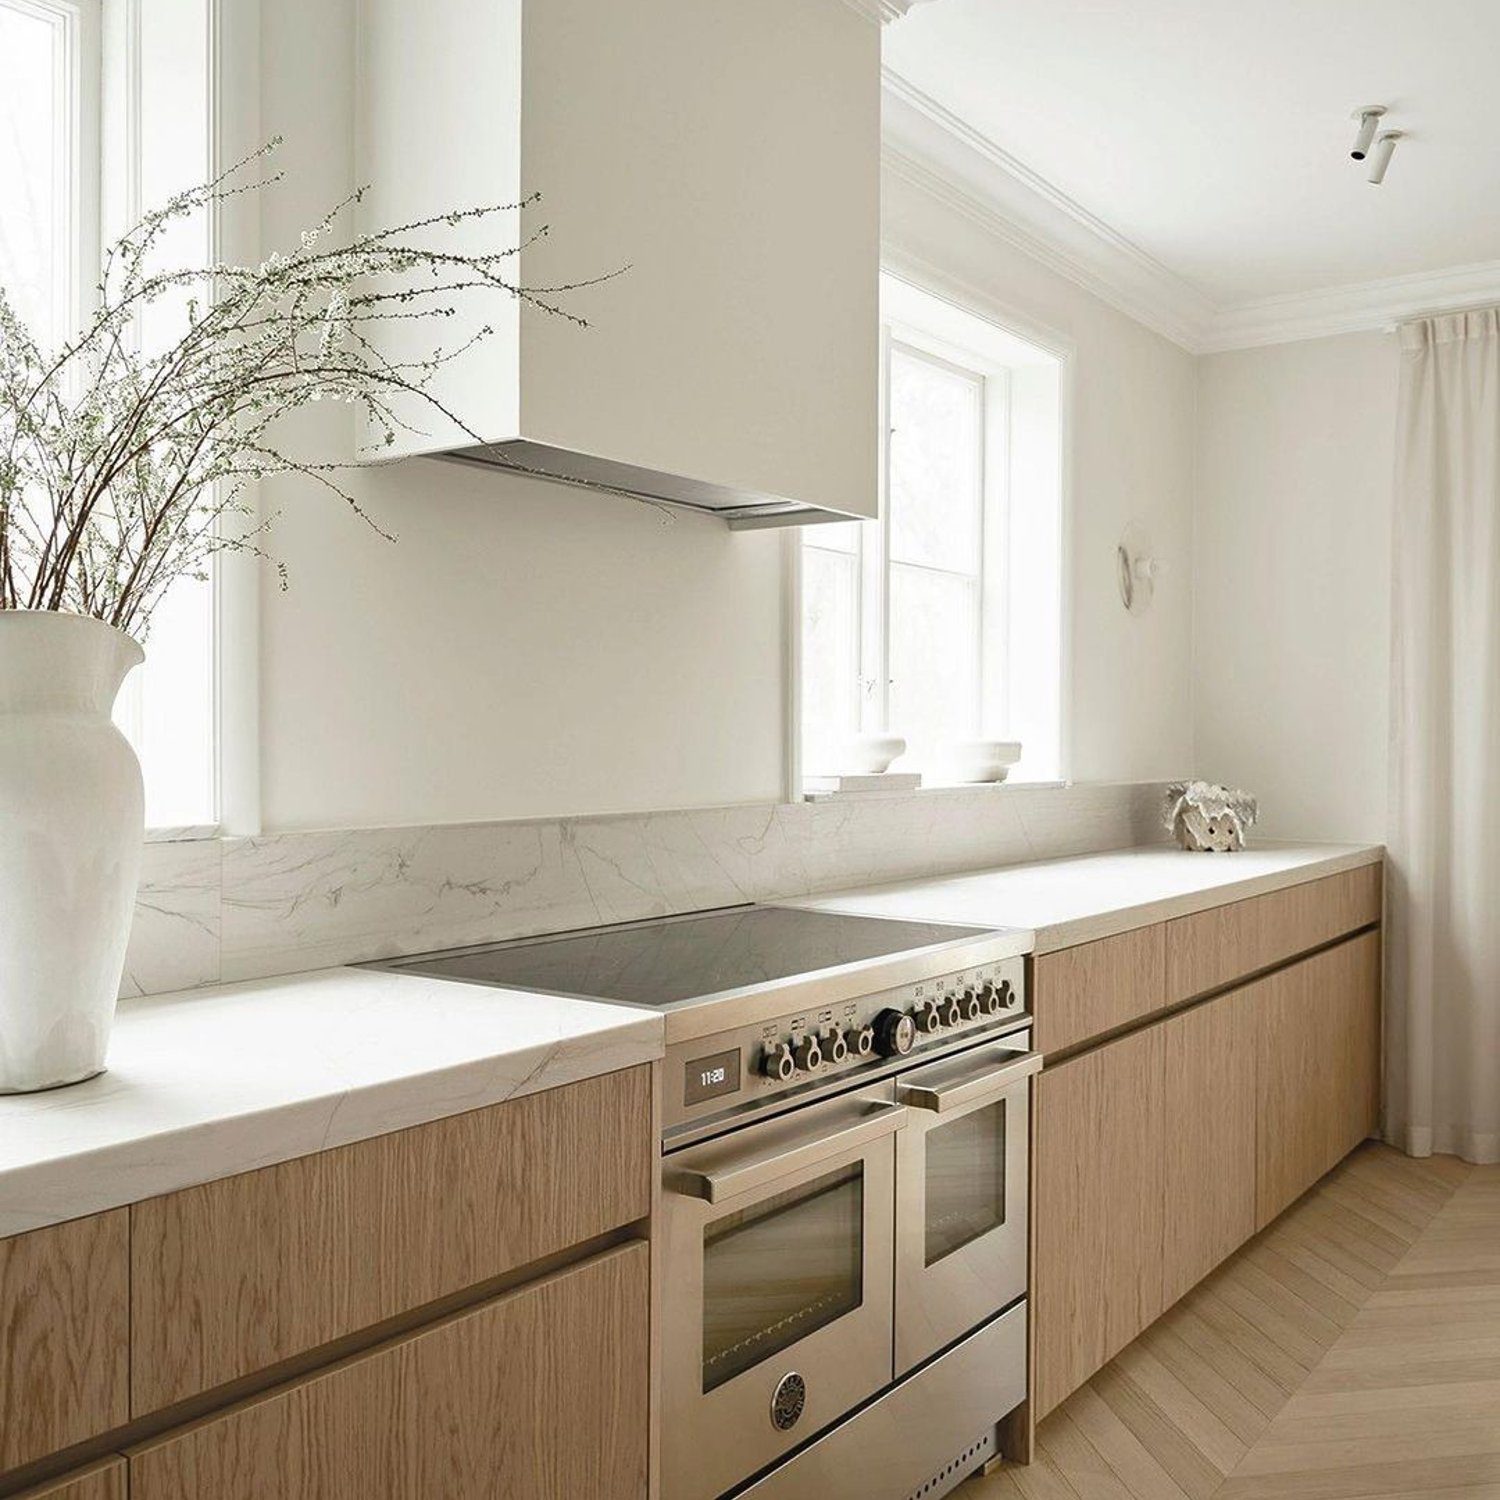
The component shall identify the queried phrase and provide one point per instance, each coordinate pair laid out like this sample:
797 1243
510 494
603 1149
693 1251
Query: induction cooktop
667 962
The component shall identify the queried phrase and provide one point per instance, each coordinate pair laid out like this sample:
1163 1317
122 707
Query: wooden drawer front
1210 1138
1318 1067
1097 1180
236 1275
1077 993
104 1481
1216 947
538 1395
64 1329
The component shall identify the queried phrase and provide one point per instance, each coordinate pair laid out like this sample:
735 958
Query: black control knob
928 1016
972 1006
777 1062
989 998
835 1047
953 1011
895 1033
1007 995
861 1042
808 1054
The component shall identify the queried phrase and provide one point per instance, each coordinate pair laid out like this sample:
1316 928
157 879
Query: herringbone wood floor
1351 1349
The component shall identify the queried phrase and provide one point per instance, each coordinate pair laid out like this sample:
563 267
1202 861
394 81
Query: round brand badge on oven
787 1403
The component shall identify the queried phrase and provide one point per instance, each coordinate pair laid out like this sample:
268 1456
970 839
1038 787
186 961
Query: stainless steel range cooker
846 1114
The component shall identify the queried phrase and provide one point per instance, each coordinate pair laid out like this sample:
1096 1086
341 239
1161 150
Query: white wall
1128 713
526 649
1292 580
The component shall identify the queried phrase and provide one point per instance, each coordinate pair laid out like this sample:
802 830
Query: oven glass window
965 1180
775 1272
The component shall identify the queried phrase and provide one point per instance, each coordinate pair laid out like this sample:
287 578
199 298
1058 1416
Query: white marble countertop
205 1083
1061 902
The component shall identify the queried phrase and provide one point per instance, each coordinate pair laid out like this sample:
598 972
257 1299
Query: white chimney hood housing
728 153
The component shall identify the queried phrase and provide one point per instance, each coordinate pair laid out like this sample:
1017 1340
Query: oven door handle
980 1082
738 1175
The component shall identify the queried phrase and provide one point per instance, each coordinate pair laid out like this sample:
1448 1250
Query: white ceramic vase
71 824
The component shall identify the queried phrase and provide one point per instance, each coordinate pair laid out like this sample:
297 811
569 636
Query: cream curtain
1443 978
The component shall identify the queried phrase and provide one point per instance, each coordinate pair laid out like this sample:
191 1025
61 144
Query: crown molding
884 11
1356 308
927 145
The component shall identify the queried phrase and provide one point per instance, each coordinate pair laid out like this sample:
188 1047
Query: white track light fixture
1380 157
1369 117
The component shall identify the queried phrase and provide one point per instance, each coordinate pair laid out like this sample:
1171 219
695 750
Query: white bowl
870 754
980 760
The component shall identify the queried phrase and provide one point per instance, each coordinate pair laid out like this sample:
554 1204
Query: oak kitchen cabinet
64 1320
101 1481
460 1308
1162 1147
1098 1186
1317 1068
539 1394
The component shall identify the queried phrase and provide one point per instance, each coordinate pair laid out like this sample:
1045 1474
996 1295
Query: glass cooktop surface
662 963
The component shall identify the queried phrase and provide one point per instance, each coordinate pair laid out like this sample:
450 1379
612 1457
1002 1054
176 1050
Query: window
941 622
57 70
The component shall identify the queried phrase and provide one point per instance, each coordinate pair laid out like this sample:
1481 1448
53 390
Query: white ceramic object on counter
71 824
979 760
871 754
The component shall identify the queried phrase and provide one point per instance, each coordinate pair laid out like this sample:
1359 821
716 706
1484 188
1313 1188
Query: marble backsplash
219 910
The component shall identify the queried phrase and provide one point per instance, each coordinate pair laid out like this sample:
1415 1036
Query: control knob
861 1040
895 1033
835 1046
777 1062
991 999
928 1016
953 1011
808 1054
973 1006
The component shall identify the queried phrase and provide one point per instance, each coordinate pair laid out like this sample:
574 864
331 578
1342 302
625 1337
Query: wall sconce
1136 570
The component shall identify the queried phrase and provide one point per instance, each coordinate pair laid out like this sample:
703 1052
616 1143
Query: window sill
866 793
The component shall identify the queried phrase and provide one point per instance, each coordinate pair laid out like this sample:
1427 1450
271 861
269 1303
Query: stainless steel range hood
742 509
724 158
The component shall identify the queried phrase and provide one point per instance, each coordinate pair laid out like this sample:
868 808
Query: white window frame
994 613
232 127
77 165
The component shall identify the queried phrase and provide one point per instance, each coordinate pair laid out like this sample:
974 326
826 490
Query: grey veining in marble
246 908
174 940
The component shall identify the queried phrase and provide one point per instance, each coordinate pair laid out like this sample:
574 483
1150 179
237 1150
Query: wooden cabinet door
1210 1138
538 1395
240 1274
1216 947
1317 1067
64 1321
1084 991
104 1481
1097 1180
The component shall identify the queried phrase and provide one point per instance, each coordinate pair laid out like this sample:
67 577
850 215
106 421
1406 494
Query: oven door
776 1286
961 1219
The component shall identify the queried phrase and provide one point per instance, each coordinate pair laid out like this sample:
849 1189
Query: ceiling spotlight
1369 118
1380 158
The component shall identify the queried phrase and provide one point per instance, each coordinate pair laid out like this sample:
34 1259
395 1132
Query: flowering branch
119 470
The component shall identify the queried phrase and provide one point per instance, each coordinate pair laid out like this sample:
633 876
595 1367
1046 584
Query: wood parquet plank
1351 1349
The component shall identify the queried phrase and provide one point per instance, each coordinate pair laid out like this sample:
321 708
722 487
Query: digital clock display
711 1077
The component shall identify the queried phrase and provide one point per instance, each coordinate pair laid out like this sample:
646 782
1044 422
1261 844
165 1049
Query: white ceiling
1214 136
